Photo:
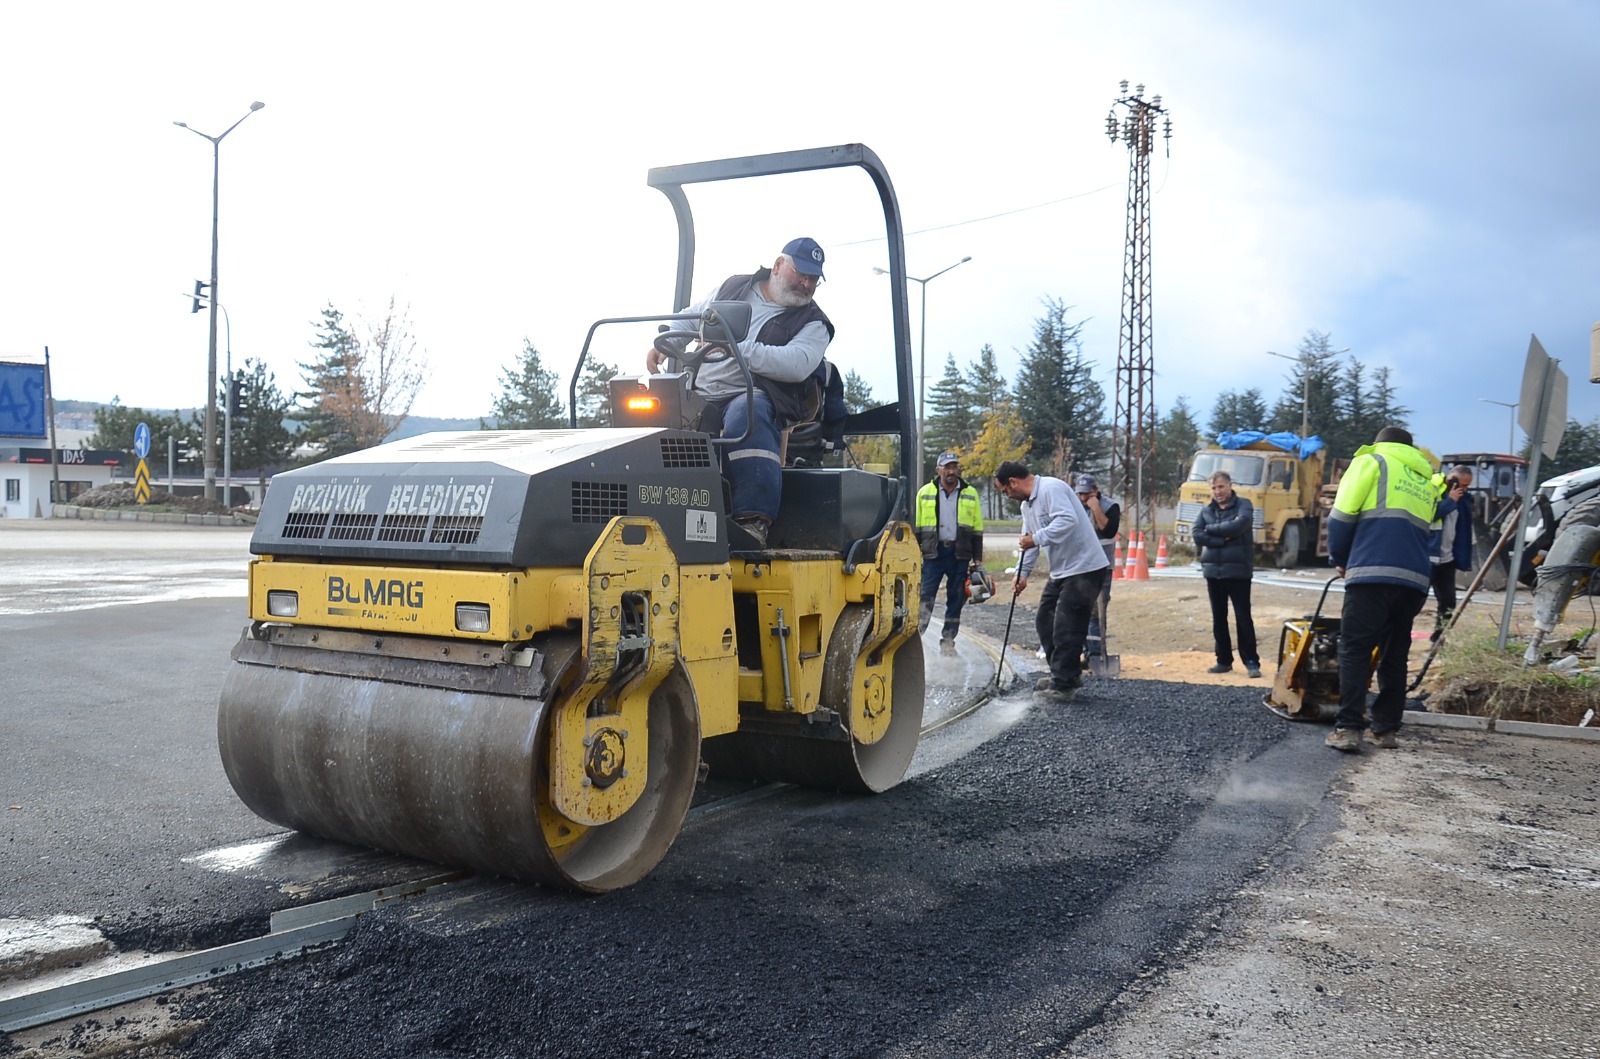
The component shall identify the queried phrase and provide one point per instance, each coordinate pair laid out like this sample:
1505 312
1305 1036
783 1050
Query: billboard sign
21 400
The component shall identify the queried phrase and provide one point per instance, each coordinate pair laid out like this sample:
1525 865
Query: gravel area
1443 906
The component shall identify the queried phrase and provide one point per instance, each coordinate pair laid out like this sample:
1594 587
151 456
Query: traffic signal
235 385
200 290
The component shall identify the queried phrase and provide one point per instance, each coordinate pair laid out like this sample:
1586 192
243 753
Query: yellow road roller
515 651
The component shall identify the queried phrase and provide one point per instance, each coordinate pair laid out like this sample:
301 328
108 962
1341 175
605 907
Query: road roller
519 652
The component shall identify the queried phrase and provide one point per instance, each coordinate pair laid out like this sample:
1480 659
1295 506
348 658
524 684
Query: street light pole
1511 431
1306 361
922 384
210 448
227 414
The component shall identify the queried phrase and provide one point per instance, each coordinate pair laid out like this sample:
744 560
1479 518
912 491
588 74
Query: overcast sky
1419 180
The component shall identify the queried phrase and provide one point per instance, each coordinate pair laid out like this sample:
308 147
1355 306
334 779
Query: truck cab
1282 477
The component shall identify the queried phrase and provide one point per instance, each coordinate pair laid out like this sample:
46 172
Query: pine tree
115 423
1061 405
360 388
952 422
1238 411
1177 438
261 439
1579 448
594 394
986 387
333 389
528 398
1313 394
857 392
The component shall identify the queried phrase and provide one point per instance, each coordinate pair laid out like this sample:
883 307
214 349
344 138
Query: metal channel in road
292 932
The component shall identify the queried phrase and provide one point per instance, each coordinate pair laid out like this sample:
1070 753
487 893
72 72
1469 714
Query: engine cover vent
598 501
685 452
304 525
456 529
409 529
352 527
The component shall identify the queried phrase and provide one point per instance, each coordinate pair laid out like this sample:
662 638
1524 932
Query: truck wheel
1289 547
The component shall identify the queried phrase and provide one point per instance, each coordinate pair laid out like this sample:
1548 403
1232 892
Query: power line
989 217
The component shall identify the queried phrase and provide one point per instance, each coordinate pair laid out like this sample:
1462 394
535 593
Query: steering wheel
675 344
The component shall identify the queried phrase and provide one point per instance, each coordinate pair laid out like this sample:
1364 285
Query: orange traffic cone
1129 570
1116 559
1161 553
1141 570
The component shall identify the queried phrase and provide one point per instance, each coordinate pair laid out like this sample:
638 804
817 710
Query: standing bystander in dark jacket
1225 532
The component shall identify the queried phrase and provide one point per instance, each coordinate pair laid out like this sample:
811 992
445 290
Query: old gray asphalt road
111 784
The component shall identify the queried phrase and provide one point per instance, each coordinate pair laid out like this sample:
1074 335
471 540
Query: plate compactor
1306 685
513 651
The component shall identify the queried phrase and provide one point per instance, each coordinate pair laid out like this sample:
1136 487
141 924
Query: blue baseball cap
806 254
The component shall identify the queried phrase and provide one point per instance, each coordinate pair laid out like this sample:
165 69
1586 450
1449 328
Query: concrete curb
168 517
1530 729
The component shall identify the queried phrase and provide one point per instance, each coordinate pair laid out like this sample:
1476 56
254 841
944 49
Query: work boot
1346 739
755 526
947 647
1381 740
1253 670
1220 668
1057 696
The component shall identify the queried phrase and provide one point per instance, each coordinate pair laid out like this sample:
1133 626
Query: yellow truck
1282 475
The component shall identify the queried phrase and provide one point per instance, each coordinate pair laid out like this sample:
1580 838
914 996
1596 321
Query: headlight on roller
472 617
282 604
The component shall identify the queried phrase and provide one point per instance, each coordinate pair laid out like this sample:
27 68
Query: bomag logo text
393 593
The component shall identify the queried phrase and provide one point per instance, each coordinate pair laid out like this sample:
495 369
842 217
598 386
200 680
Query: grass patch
1472 676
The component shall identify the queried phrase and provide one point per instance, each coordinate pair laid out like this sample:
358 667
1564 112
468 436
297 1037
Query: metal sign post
1544 400
141 472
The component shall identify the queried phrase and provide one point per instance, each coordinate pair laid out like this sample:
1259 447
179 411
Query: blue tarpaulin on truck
1286 440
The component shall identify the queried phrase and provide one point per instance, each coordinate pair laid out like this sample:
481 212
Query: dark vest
788 398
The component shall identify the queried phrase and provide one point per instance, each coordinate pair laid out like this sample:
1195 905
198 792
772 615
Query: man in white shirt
1055 520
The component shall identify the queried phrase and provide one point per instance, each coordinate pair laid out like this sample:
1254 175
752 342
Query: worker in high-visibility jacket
1378 539
949 523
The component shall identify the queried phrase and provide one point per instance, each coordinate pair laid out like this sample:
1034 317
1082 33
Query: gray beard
786 294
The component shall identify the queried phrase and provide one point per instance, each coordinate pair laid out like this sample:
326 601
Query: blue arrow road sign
141 440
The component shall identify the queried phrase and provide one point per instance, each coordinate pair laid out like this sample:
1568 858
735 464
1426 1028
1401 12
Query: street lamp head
964 260
181 124
257 105
880 271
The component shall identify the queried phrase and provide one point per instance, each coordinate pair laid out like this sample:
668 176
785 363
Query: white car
1565 492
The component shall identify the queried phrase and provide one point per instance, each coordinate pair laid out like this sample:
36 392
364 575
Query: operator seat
820 432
